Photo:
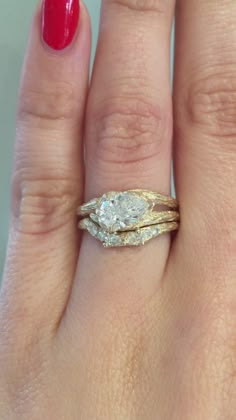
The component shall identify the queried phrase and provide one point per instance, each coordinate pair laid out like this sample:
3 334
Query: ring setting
128 218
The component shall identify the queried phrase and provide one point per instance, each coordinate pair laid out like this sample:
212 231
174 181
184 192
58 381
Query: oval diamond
121 211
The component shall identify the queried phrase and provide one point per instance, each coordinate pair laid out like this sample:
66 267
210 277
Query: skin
149 333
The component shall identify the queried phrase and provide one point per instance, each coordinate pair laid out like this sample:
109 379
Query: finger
205 99
47 178
129 121
200 303
128 136
205 165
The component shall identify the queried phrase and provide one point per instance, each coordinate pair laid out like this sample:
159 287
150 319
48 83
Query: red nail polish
59 22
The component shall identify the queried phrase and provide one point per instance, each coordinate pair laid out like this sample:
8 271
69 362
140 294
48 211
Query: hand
143 333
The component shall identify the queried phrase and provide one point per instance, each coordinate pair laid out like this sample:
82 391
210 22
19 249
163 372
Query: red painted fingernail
59 22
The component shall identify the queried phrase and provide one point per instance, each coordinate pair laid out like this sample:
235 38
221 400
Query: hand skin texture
149 333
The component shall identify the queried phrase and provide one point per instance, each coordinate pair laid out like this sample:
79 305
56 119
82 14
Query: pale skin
90 333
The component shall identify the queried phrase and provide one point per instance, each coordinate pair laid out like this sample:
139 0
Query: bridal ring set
129 218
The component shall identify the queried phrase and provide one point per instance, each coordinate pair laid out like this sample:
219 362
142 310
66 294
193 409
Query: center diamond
121 211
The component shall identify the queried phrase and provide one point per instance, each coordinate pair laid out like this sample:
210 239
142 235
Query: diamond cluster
131 238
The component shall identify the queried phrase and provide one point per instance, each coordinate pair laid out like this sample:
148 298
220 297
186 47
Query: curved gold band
132 238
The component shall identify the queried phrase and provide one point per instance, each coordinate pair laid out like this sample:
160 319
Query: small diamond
133 238
146 234
120 211
141 236
102 236
86 208
92 228
113 240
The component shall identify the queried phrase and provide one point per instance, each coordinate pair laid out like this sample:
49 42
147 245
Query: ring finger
128 133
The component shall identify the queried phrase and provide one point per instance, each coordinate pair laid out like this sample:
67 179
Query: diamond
141 236
113 240
91 227
88 207
133 238
148 233
93 230
121 211
102 236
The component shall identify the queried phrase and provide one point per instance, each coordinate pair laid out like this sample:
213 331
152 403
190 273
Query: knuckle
48 104
130 131
212 104
42 205
158 6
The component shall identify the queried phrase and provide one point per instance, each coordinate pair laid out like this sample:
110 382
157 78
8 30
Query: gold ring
129 218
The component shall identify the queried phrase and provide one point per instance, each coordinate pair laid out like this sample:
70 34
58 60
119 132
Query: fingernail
60 20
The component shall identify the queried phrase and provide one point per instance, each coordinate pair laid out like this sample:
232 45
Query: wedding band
129 218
